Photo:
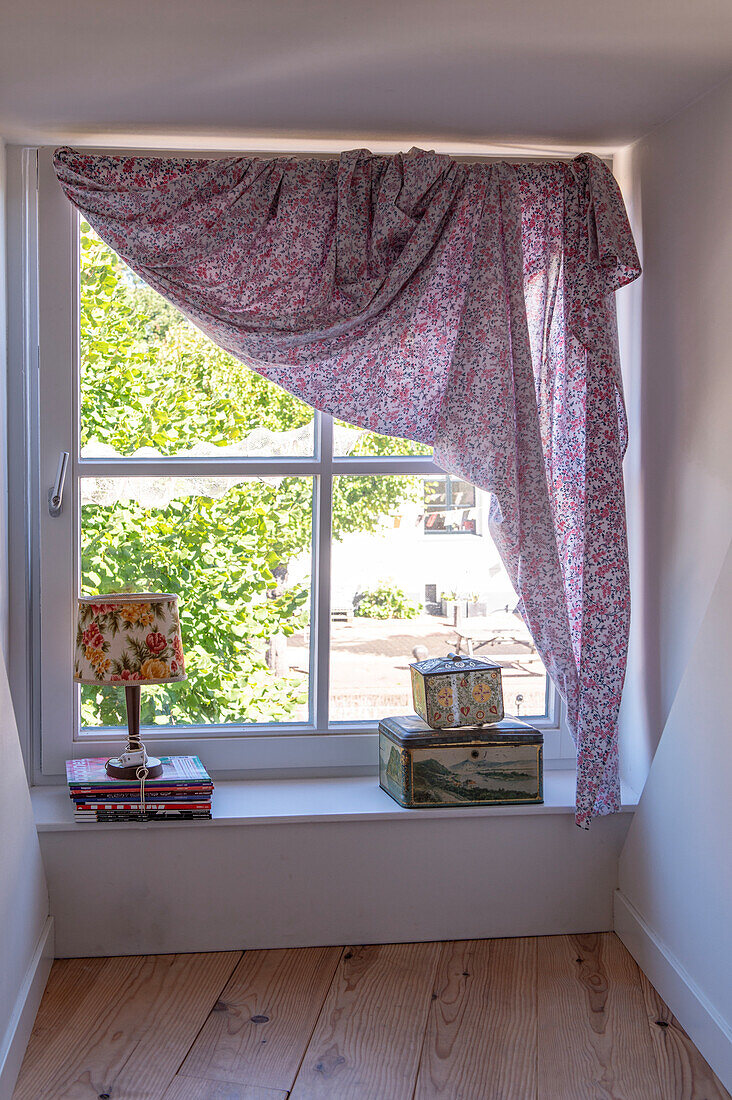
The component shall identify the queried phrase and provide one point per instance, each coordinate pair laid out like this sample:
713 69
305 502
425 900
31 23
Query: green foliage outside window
385 601
151 379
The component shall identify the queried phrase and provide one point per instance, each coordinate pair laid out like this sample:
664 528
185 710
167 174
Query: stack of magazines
183 791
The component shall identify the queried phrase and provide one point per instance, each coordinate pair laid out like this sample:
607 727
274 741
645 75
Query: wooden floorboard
683 1073
192 1088
263 1021
367 1041
556 1018
127 1035
593 1039
57 1048
68 982
481 1035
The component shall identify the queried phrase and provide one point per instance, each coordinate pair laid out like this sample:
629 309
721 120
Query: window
303 550
449 506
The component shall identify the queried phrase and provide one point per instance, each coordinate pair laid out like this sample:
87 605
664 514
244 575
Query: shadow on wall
641 697
675 328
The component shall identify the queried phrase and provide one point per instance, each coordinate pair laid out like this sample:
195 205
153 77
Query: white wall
4 616
327 878
24 940
676 341
24 944
676 868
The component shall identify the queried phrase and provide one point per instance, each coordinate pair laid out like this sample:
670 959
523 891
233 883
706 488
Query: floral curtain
466 306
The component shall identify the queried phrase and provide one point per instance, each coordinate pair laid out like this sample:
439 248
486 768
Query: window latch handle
56 492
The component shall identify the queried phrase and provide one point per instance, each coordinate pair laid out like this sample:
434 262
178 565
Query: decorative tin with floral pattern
457 691
495 765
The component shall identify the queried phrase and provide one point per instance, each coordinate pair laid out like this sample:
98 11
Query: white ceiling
561 72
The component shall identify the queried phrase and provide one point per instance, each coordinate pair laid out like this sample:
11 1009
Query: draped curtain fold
466 306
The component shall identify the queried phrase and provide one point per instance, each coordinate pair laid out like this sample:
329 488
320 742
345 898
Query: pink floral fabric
468 306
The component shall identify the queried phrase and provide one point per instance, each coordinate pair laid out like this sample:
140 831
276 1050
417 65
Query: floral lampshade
127 639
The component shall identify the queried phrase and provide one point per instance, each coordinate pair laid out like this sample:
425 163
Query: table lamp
129 640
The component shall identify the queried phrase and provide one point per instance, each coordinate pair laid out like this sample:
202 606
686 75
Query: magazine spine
121 808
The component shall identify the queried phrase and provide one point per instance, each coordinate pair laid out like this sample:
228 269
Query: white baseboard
17 1034
711 1034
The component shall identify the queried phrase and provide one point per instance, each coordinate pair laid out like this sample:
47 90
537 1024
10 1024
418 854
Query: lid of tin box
409 729
453 663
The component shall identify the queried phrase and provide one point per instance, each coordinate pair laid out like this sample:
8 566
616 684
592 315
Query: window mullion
210 466
386 464
320 614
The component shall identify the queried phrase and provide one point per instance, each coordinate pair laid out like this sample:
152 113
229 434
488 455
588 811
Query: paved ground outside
370 658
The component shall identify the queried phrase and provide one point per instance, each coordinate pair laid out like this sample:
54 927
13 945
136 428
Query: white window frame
46 261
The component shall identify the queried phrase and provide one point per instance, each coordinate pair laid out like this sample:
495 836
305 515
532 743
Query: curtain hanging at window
467 306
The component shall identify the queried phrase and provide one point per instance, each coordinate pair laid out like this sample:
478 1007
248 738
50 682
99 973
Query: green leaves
385 602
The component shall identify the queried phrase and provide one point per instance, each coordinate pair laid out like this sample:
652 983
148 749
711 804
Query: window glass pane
462 493
399 594
358 442
150 379
237 553
435 494
450 506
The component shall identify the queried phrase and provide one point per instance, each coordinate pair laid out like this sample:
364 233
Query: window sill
286 801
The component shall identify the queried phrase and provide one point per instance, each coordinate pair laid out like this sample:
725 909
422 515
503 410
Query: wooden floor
556 1018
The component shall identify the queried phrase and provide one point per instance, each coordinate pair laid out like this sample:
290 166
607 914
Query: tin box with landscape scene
475 765
457 691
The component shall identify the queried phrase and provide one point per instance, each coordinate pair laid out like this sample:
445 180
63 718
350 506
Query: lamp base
121 767
127 764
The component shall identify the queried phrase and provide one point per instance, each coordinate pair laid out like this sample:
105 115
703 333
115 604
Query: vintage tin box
457 691
478 765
